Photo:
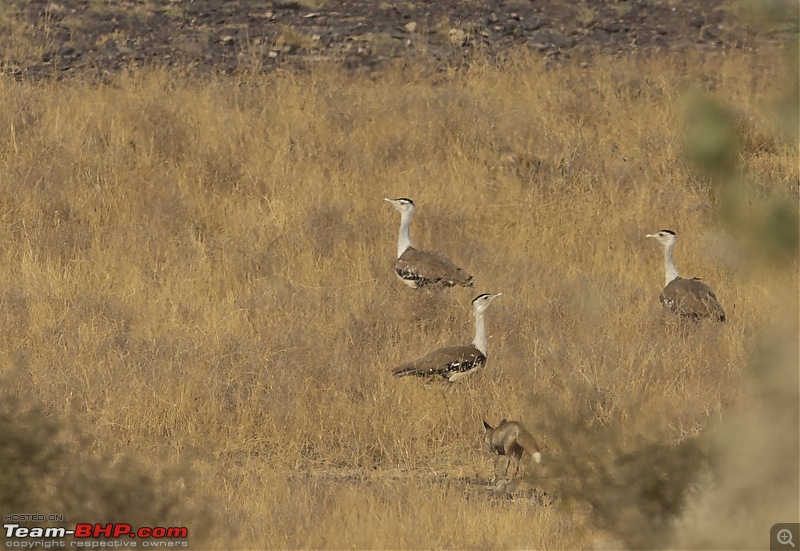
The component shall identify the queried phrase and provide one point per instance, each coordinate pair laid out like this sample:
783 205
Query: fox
510 440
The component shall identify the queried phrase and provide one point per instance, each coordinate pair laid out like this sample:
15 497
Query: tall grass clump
48 468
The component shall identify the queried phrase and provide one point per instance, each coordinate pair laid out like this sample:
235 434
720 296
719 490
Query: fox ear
486 425
503 420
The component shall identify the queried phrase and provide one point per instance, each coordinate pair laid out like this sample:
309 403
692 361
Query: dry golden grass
200 272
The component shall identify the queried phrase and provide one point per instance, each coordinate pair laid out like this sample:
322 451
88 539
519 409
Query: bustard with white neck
454 362
417 268
689 298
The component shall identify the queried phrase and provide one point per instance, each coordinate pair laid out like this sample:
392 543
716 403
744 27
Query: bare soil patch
80 37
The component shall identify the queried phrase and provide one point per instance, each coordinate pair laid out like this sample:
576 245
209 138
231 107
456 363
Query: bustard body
417 268
454 362
689 298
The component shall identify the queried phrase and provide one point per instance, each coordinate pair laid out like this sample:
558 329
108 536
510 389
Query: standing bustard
418 268
690 298
454 362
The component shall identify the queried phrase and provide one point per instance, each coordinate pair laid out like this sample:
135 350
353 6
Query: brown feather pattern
422 268
692 298
444 362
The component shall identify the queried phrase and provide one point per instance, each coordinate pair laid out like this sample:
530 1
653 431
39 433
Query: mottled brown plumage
692 298
421 268
448 363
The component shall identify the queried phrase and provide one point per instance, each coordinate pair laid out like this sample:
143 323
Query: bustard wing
449 363
420 268
692 298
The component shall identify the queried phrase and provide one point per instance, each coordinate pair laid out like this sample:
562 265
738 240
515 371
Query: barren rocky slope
100 37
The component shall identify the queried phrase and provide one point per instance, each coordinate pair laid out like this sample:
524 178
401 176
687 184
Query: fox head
487 435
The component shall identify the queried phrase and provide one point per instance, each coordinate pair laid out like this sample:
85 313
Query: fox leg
516 465
496 469
508 463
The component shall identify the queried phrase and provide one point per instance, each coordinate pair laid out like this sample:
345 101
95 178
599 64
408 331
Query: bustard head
481 302
665 237
403 204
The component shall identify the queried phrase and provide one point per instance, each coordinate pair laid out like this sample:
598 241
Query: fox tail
528 442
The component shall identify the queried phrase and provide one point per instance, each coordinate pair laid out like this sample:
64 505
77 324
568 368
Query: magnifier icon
785 536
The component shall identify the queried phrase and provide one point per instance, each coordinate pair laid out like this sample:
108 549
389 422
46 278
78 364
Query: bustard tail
407 369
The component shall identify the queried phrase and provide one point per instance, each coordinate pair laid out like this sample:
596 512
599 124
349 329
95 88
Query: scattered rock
598 36
545 38
206 35
54 8
611 26
457 37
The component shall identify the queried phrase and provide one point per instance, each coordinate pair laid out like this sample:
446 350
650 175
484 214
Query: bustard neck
669 264
404 239
480 341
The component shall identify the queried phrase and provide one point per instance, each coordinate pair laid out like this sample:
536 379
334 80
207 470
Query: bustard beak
651 235
486 299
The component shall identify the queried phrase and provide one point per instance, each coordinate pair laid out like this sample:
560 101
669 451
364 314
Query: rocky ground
101 37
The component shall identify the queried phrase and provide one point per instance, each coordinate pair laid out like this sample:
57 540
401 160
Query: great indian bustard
418 268
690 298
454 362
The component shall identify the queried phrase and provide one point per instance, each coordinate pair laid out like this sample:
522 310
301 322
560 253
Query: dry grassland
198 272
